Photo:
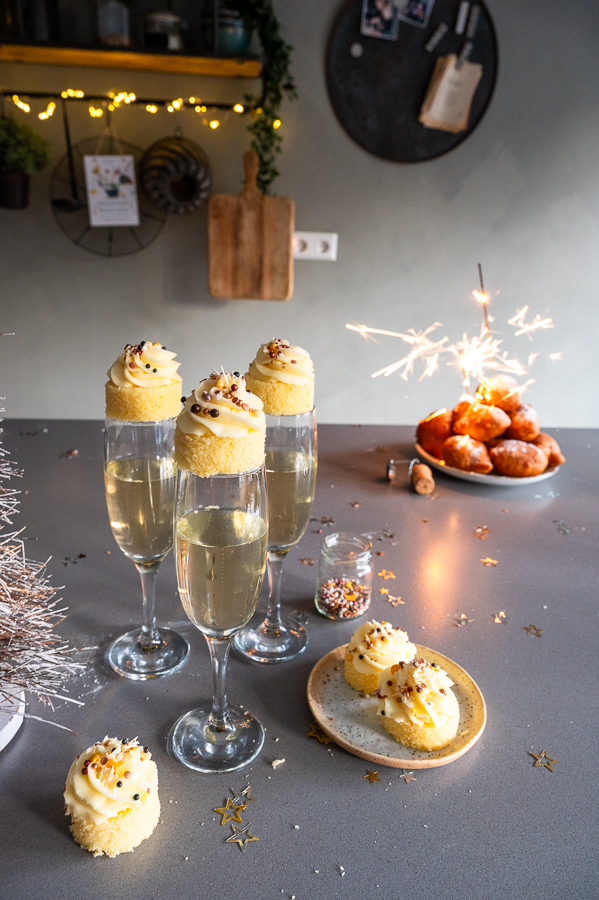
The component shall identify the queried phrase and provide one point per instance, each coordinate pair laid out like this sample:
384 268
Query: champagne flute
221 526
140 480
291 460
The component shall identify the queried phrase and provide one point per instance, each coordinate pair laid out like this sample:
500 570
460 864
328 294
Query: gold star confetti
306 561
533 630
481 531
244 797
395 601
543 760
408 776
379 553
463 620
386 575
487 561
326 520
371 776
500 618
355 504
423 520
241 836
230 811
318 733
383 590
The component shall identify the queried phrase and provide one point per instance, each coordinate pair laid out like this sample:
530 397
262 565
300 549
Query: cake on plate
373 647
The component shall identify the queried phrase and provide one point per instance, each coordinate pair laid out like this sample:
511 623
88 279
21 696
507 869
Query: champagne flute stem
274 624
220 719
149 636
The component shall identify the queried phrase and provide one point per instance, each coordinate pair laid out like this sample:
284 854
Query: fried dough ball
459 410
502 391
433 431
463 452
483 423
525 424
551 447
518 459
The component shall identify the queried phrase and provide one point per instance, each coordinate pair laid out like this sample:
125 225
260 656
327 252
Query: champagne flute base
262 644
128 658
192 742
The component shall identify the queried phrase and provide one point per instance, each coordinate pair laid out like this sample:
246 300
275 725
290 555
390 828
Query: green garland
259 16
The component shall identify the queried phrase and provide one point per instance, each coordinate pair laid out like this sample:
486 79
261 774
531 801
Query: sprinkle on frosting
221 405
95 789
145 365
418 692
377 645
279 361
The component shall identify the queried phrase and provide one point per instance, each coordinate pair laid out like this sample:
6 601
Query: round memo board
376 86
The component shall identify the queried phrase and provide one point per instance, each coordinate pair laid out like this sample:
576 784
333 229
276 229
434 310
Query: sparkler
474 356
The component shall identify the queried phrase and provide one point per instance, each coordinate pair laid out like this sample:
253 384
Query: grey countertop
489 825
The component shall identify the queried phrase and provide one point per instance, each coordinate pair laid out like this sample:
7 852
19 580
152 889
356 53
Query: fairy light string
113 100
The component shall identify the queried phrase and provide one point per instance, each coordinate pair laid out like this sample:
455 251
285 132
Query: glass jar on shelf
344 584
113 23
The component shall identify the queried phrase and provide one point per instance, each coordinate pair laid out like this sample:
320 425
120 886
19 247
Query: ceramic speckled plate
352 721
478 477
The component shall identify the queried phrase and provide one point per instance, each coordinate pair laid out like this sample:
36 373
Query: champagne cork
422 479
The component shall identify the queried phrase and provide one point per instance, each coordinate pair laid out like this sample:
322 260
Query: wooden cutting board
250 242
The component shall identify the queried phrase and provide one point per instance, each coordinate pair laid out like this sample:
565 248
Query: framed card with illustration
111 191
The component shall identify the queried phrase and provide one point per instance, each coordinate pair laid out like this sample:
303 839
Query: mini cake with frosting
372 648
111 795
221 429
143 384
283 377
417 705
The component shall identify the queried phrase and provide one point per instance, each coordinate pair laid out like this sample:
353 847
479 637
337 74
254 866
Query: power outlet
315 245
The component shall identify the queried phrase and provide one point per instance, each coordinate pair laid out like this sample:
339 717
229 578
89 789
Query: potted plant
22 154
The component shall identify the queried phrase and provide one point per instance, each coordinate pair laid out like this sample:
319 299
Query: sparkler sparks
474 356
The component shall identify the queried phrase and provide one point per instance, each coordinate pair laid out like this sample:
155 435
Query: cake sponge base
360 681
423 737
282 399
119 834
208 454
137 404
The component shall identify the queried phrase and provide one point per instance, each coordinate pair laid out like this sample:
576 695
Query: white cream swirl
108 778
418 692
279 361
377 645
221 405
145 365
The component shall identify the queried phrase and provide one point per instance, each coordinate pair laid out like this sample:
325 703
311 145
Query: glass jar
344 585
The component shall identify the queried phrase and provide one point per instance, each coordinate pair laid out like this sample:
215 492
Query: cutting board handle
251 164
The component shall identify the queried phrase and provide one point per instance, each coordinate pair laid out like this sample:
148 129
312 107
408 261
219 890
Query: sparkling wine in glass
140 481
291 461
221 526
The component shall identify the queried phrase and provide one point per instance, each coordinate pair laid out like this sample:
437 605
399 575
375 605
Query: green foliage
259 16
21 148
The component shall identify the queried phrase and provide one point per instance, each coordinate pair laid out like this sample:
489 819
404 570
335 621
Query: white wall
521 195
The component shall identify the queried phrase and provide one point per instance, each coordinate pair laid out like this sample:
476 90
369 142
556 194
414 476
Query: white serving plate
478 477
11 717
352 721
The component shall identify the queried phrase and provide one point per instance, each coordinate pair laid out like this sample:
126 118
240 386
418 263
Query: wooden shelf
130 59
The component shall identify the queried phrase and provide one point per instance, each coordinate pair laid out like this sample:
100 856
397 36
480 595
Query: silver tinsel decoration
33 657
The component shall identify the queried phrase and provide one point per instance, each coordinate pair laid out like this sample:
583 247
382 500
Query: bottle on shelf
113 23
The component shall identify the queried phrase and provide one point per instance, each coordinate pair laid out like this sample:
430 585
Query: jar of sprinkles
344 585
